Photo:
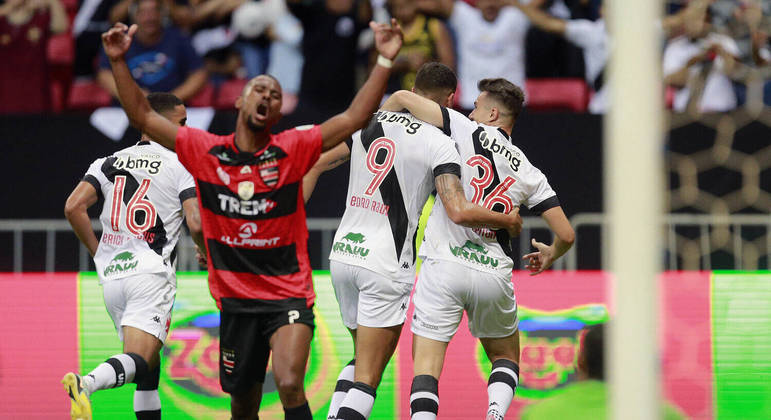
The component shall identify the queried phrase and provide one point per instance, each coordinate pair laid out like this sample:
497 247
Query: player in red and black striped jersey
253 216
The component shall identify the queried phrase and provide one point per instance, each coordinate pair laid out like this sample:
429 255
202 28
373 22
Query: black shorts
245 344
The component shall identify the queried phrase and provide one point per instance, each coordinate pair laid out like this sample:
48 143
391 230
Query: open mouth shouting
262 113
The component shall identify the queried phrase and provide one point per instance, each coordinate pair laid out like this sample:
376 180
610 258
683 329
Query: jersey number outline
137 203
380 170
479 184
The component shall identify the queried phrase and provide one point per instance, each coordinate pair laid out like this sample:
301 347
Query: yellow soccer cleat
80 405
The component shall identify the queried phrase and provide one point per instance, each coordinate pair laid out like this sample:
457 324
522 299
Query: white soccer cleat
80 405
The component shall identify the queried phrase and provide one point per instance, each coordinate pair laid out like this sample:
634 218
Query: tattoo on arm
448 186
337 162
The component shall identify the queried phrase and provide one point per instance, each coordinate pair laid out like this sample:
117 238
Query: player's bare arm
193 220
422 108
328 160
468 214
388 41
564 236
76 210
116 42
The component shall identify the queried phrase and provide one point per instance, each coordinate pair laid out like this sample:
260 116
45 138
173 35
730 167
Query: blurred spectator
331 30
161 59
286 58
699 63
591 36
490 42
213 38
551 55
749 32
588 397
251 20
25 27
176 10
425 39
92 20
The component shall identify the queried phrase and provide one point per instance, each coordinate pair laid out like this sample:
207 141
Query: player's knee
290 388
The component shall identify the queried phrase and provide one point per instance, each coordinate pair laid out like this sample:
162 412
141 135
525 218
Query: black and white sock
500 388
302 412
357 403
424 398
116 371
344 383
147 403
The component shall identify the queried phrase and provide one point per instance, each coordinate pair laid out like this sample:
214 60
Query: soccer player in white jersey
470 269
396 162
145 190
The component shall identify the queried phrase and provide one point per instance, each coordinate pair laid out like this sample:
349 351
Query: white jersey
495 175
143 188
393 165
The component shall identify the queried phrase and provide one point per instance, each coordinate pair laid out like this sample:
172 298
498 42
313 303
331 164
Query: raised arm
564 236
328 160
539 18
116 42
422 108
76 210
465 213
388 40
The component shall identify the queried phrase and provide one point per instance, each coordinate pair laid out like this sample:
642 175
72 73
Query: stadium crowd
715 52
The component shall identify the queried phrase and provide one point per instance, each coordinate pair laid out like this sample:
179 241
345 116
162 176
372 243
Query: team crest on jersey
121 263
246 170
246 190
269 172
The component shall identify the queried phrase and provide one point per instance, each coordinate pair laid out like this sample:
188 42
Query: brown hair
506 93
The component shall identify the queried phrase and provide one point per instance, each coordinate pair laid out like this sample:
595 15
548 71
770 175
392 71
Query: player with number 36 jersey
469 270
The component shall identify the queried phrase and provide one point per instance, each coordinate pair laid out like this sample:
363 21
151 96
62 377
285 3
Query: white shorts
368 298
143 301
445 289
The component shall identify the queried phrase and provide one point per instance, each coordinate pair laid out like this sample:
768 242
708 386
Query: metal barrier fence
690 241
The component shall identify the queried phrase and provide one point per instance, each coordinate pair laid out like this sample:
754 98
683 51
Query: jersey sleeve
444 156
95 176
191 144
580 32
186 186
304 144
541 196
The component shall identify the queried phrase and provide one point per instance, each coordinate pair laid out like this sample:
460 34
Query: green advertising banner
189 386
741 344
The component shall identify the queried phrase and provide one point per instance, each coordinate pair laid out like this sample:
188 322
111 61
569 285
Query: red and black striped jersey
253 216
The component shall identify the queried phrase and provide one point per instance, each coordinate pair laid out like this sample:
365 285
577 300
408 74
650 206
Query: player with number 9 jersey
396 160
